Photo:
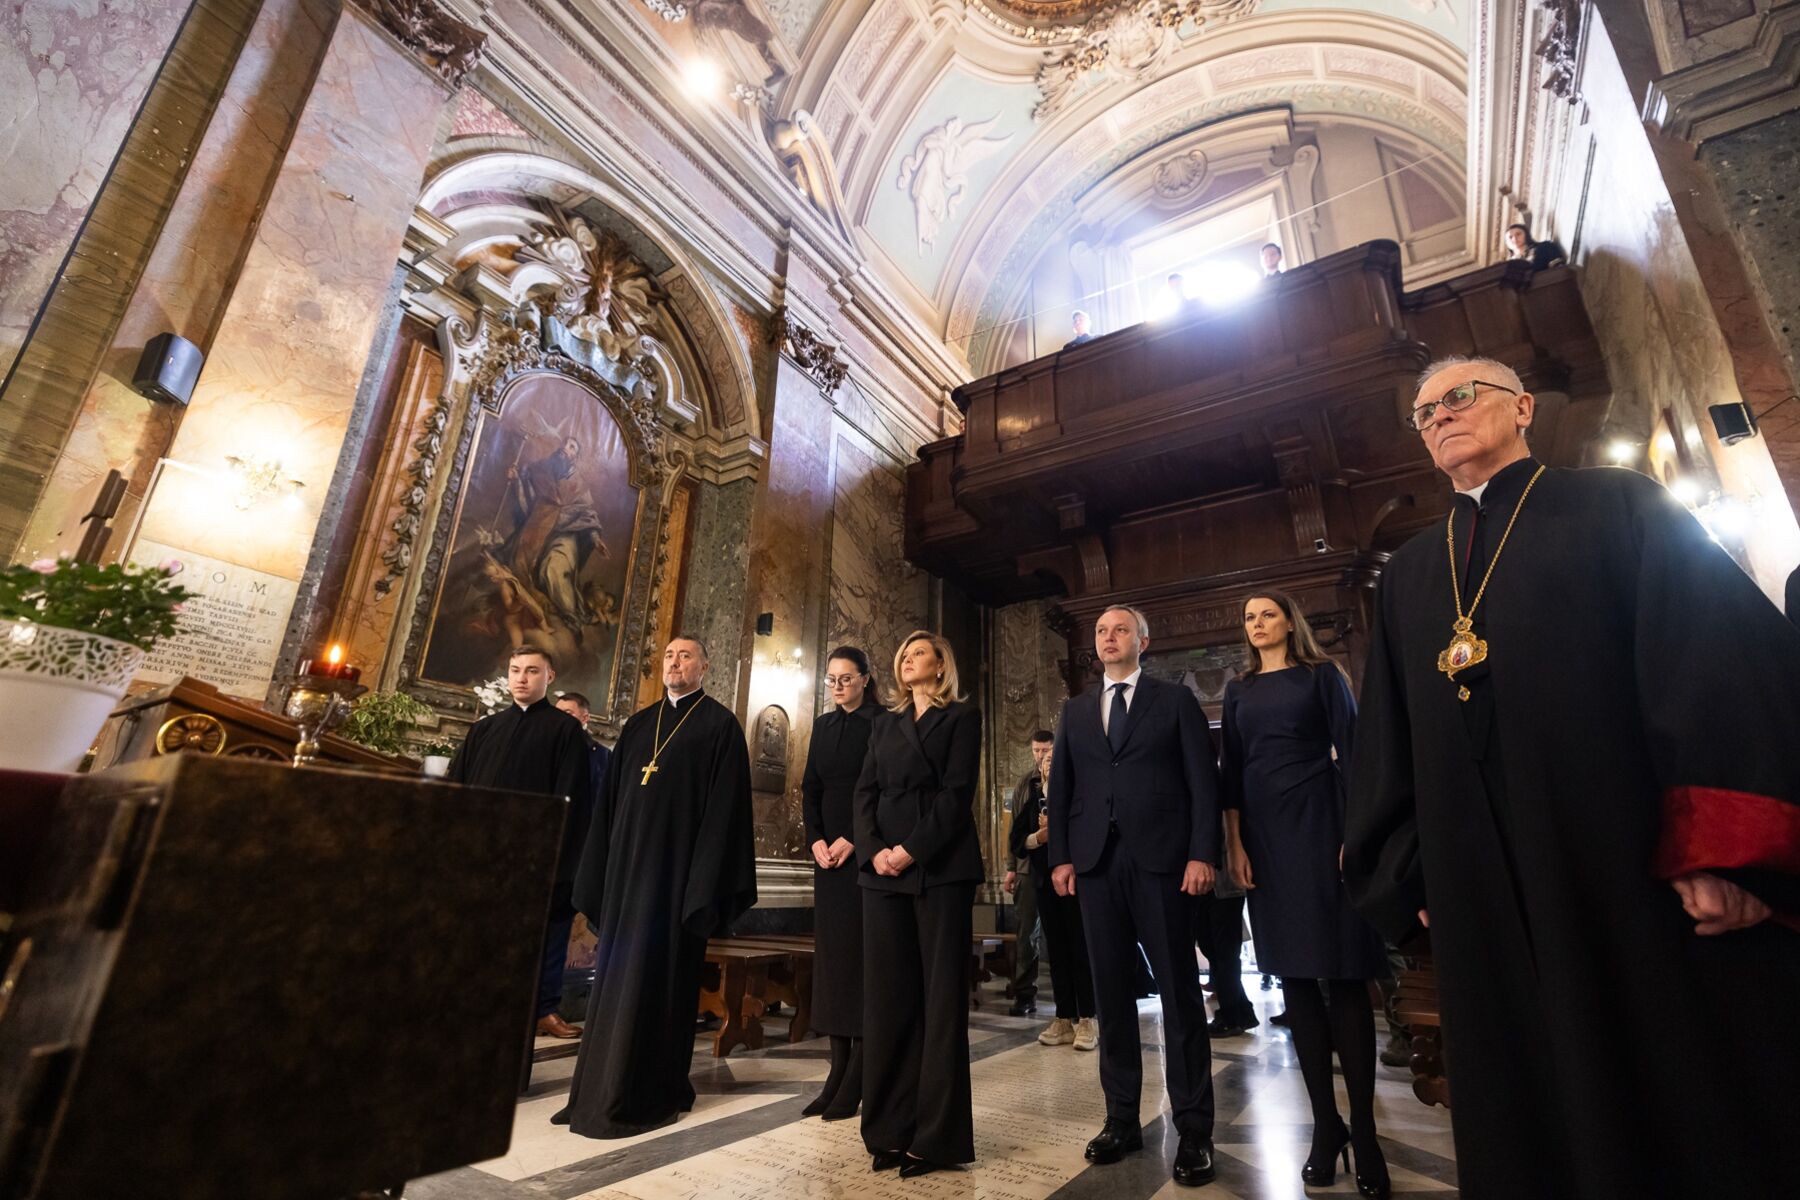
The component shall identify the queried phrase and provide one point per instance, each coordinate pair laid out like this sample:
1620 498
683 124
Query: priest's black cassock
538 749
670 861
1634 721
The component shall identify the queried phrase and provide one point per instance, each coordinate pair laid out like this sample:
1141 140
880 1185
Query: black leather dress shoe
887 1160
1022 1009
1194 1160
1220 1028
1115 1140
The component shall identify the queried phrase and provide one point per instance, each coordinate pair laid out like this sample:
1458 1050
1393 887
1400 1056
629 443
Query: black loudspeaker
168 369
1732 422
765 623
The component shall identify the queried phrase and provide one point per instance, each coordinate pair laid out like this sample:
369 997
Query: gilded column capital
810 352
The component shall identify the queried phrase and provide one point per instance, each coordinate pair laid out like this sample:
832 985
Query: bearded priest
1575 765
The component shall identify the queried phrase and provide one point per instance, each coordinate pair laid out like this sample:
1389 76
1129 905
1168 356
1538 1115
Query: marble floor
1035 1108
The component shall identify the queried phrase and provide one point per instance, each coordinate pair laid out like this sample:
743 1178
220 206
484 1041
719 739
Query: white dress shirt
1130 682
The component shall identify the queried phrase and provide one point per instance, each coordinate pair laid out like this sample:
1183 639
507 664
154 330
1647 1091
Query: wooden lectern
191 717
233 979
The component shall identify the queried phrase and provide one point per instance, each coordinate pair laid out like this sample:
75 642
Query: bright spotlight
1621 451
703 78
1223 283
1685 490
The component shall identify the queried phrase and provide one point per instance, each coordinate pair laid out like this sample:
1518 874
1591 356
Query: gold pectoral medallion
1464 650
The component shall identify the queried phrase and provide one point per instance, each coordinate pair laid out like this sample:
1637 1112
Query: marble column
713 595
282 375
161 249
74 76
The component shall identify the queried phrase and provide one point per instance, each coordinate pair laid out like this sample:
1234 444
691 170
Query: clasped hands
892 861
833 856
1197 878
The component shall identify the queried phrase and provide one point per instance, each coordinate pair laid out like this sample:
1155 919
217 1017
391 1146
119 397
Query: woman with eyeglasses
840 742
1289 720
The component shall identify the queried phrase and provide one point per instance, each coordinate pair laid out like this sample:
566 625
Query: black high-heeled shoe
915 1166
1371 1171
1321 1169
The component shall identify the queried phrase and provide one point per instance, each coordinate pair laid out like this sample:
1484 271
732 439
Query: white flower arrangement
494 695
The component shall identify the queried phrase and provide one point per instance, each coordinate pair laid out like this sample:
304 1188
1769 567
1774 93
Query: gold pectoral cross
648 772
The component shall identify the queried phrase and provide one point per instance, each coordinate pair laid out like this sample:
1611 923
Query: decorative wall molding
448 45
811 353
1560 47
1739 89
1128 41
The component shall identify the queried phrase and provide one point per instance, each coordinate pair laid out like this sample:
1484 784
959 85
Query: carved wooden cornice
447 45
811 353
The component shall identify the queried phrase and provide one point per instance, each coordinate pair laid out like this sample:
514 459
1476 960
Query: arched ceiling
964 133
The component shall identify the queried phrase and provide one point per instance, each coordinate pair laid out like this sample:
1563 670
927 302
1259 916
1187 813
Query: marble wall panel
285 366
74 75
788 552
1656 324
718 571
187 279
1756 169
1026 693
877 597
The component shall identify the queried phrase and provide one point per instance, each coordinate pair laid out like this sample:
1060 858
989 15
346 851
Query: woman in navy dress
840 742
1284 831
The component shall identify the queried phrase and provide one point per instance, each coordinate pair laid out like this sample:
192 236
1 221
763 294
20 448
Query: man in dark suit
1134 836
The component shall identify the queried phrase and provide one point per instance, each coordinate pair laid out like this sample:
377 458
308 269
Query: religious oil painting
541 542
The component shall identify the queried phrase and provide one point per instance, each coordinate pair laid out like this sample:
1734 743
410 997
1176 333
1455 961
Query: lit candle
332 666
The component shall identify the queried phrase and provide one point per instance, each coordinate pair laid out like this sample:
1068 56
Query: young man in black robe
533 746
1573 764
670 861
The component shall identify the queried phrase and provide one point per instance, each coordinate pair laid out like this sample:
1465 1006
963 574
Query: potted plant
436 755
72 634
381 721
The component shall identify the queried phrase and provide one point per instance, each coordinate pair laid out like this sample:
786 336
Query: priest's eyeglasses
1456 399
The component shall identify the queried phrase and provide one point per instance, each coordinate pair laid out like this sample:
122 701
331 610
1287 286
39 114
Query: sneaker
1087 1034
1059 1032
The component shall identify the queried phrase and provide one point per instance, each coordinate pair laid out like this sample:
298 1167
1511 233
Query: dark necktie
1115 722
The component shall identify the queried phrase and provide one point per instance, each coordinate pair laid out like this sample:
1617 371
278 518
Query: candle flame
335 655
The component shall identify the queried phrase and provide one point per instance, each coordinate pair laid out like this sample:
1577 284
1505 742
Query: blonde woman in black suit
919 862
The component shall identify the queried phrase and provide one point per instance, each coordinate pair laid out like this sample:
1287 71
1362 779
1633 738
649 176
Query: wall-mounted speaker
1732 422
765 624
167 371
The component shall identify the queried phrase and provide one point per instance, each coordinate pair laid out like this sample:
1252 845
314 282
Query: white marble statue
935 174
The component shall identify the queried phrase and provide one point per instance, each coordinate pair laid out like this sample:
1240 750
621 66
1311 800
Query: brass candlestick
317 704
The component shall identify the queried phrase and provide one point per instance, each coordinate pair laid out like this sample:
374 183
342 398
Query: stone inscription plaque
231 629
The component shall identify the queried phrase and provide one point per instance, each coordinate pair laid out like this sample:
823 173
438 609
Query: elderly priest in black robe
1575 764
669 862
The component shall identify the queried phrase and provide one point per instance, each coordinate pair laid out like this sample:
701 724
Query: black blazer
1161 789
918 790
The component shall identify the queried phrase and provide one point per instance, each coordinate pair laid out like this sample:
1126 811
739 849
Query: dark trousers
1122 906
556 951
1220 933
916 1095
1025 949
1070 975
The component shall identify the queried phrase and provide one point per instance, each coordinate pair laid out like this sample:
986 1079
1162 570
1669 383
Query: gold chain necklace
658 743
1465 649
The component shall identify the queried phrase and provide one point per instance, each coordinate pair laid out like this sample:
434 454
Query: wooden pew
734 987
1001 948
790 980
1417 1007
